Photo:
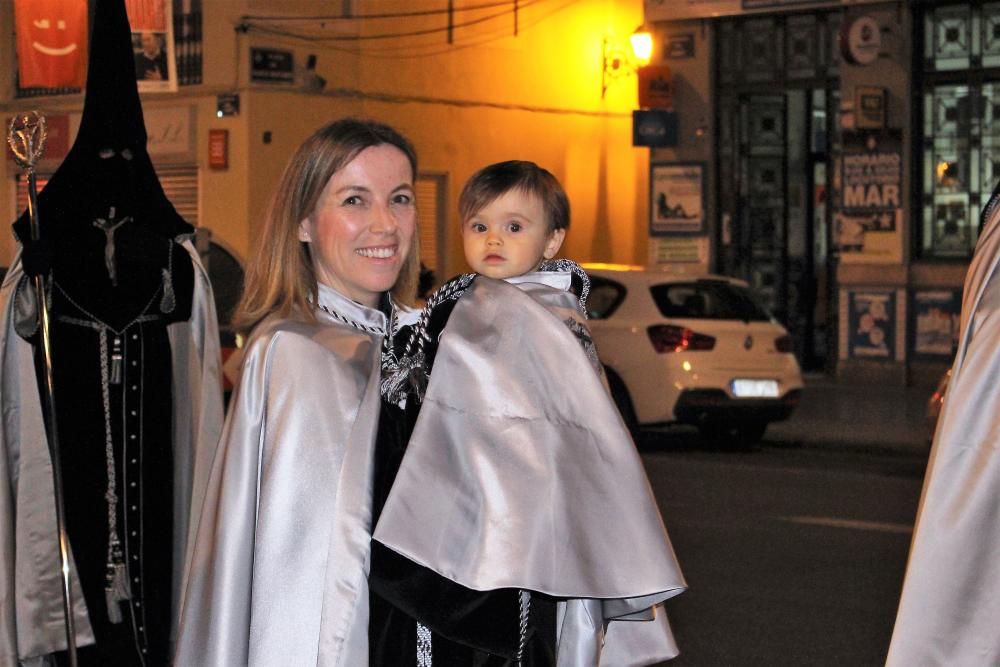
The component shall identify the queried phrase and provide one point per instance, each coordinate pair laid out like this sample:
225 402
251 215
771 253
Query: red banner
51 43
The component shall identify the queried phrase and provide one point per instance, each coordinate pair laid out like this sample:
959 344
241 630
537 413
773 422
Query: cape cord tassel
116 591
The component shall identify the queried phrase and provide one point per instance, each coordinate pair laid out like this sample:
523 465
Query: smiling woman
278 574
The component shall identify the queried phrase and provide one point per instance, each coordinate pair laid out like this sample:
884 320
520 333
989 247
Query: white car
691 349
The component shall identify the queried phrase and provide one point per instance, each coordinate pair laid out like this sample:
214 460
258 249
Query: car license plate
755 388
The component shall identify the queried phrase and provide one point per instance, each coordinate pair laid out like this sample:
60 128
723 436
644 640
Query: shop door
775 219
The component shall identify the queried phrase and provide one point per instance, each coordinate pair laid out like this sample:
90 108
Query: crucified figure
109 226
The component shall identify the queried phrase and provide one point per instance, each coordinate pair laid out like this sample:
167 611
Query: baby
505 435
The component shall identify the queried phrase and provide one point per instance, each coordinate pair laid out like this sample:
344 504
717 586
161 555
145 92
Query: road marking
833 522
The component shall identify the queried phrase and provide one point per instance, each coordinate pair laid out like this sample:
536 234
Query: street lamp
642 45
618 62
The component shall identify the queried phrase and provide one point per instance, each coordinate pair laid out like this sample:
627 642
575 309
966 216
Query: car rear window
708 300
605 297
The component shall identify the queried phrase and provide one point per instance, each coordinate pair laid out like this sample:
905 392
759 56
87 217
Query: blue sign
656 128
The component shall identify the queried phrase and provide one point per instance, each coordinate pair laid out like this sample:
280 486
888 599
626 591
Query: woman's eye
402 199
353 200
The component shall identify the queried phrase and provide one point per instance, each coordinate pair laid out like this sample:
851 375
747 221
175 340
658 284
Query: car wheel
620 395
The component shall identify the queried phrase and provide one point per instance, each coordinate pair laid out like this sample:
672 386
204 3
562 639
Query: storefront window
961 100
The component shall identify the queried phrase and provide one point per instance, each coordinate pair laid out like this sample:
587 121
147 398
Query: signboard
218 148
936 315
227 104
676 198
679 250
869 107
272 66
679 46
678 10
171 133
654 128
869 225
152 24
872 324
656 87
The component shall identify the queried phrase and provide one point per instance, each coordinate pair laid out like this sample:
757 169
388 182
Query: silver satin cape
521 474
949 613
31 607
279 572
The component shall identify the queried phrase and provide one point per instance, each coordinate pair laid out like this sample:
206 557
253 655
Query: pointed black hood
108 165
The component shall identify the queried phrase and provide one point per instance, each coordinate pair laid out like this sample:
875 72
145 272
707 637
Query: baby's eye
478 227
515 227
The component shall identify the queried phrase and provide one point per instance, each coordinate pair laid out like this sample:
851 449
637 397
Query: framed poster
872 324
869 225
936 314
152 23
676 198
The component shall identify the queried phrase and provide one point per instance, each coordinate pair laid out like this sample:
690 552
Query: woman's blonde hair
280 277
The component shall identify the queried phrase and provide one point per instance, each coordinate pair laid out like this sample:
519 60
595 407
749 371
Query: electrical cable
356 17
248 26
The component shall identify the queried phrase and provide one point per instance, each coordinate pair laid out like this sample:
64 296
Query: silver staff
26 136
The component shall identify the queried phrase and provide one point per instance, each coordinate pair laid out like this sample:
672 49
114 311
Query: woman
278 574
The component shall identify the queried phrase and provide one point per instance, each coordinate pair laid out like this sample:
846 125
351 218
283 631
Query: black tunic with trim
140 423
469 627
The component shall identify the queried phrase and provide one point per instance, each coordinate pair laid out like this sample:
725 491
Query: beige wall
489 96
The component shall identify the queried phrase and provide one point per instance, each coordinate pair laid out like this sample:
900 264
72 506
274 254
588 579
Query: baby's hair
493 181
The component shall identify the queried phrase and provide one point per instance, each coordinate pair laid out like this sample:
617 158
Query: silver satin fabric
521 474
949 613
31 613
279 571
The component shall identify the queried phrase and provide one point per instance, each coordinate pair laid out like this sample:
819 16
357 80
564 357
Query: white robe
31 604
521 474
279 573
949 613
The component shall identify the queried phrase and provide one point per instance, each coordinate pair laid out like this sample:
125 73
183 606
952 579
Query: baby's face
510 236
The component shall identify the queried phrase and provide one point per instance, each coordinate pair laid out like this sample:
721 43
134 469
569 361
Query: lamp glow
642 45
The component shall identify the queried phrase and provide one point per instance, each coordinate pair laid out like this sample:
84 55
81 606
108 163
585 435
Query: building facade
469 82
848 147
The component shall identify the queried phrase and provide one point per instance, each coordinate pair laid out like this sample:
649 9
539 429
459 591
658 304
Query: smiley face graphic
42 25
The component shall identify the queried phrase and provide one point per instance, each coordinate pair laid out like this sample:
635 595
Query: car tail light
668 338
784 344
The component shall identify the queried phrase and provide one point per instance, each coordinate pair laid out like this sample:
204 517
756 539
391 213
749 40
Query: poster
153 44
869 223
936 316
872 324
51 43
679 250
677 199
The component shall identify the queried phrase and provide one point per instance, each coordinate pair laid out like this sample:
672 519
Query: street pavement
874 418
794 556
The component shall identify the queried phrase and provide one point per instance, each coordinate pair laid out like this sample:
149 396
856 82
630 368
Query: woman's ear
556 238
304 234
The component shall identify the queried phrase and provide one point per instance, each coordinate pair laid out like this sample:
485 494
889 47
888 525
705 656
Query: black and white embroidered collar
345 311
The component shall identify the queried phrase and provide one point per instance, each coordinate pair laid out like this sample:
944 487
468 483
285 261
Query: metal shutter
431 207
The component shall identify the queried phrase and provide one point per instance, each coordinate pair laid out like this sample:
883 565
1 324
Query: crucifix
109 225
